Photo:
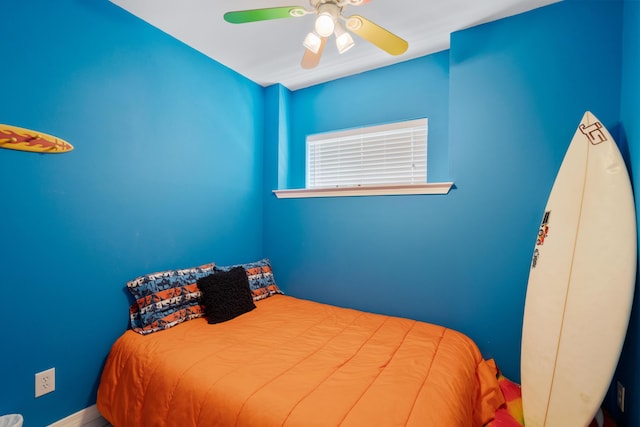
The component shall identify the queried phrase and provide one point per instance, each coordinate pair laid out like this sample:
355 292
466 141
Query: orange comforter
298 363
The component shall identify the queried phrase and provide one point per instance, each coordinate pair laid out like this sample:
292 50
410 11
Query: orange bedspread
298 363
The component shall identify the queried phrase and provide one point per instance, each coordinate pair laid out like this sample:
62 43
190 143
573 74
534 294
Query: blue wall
166 173
357 251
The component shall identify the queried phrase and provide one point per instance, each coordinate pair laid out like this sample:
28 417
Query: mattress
293 362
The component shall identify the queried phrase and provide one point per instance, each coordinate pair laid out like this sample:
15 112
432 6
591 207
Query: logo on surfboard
594 133
543 232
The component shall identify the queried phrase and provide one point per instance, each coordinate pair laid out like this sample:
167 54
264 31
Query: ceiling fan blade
310 59
377 35
253 15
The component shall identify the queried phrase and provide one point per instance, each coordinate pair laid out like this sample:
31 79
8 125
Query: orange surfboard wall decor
16 138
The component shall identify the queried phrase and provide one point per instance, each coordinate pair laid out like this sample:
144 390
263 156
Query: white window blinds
377 155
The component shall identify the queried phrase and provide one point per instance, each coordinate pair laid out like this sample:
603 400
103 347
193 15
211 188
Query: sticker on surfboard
17 138
543 232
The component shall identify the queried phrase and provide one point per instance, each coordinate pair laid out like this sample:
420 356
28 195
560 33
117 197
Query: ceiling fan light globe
344 42
312 42
325 24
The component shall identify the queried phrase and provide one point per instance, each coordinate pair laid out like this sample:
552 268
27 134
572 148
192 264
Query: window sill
373 190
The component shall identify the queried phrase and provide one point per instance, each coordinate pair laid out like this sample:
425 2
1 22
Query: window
385 160
392 154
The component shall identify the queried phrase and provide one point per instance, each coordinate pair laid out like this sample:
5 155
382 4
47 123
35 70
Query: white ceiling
270 52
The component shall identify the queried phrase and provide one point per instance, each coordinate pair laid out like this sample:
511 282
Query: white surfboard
581 284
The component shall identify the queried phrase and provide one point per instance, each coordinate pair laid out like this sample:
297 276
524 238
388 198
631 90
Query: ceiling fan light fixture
312 42
326 21
344 41
325 24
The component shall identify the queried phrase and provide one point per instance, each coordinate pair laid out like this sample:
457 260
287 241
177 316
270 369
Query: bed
294 362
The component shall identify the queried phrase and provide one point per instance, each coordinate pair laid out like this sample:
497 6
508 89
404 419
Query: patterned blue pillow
166 298
260 277
169 318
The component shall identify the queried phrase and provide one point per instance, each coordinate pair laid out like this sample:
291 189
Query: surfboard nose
589 117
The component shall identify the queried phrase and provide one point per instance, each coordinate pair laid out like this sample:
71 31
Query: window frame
423 188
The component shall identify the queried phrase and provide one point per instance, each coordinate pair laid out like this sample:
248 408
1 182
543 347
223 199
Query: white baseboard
80 418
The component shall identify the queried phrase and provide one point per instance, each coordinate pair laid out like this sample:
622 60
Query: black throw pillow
226 294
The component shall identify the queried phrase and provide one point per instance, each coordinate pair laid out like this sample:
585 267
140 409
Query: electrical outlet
620 396
45 382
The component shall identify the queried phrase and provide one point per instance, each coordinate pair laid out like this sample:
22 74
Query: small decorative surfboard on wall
16 138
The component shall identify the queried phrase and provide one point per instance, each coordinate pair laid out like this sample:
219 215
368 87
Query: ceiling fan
327 22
